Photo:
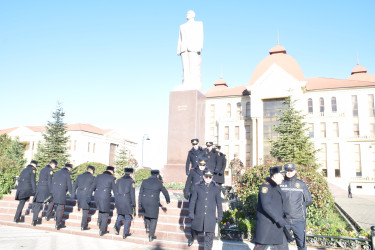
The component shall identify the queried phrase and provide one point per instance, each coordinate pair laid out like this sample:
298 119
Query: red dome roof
359 73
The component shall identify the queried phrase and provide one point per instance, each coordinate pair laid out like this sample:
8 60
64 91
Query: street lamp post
145 137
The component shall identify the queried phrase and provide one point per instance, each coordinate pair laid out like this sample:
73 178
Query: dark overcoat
125 195
203 204
221 163
103 185
211 157
26 183
82 189
149 196
269 212
60 185
44 188
195 176
193 157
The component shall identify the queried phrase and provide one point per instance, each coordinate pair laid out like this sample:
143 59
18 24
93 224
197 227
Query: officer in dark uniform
26 188
194 154
210 154
220 167
62 184
84 183
103 185
206 198
195 176
43 191
149 199
269 221
125 202
297 198
51 204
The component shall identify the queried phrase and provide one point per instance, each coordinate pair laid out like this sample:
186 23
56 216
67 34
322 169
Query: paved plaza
360 208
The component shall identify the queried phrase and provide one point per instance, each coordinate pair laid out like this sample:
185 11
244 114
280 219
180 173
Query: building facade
87 143
340 116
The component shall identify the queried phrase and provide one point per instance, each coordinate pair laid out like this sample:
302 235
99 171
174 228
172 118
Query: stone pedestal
186 121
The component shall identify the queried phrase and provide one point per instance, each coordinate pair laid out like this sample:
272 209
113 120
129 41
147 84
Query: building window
323 157
335 127
322 130
70 145
336 159
75 145
333 104
226 151
248 109
212 132
311 130
226 133
212 113
248 155
355 105
93 148
237 149
247 128
310 106
321 105
371 114
88 147
237 132
356 126
238 111
229 112
357 160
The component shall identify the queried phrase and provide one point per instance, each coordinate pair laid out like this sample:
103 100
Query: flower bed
235 226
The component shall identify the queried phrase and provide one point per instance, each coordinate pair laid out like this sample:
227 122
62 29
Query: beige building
87 143
340 115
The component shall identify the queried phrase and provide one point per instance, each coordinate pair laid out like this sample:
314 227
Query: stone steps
173 228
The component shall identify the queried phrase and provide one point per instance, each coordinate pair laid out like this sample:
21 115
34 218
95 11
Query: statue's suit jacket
191 37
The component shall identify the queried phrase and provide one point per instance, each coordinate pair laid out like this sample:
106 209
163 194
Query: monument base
174 173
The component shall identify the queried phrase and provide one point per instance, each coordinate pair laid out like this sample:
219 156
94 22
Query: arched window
321 105
229 111
238 111
334 104
310 105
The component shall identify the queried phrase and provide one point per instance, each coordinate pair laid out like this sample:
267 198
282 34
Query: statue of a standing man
190 44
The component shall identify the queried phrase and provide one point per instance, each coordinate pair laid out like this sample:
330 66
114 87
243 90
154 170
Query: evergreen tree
293 143
121 162
12 149
54 145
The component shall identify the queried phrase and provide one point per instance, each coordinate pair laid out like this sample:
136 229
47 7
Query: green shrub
8 172
80 169
235 219
142 174
173 185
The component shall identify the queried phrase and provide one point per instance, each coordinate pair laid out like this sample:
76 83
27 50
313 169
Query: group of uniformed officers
282 201
55 187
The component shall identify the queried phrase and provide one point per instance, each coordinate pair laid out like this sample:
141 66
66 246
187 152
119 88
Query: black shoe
16 220
102 233
47 218
117 230
191 242
57 227
85 228
126 235
33 223
151 238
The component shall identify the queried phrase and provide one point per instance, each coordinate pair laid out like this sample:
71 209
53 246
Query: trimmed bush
142 174
80 169
8 172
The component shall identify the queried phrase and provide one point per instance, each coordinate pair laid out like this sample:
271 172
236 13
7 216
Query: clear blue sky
113 63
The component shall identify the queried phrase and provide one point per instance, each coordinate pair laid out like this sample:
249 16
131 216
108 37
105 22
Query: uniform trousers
103 221
127 218
299 232
20 206
151 224
85 215
283 246
37 206
50 208
208 238
59 213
